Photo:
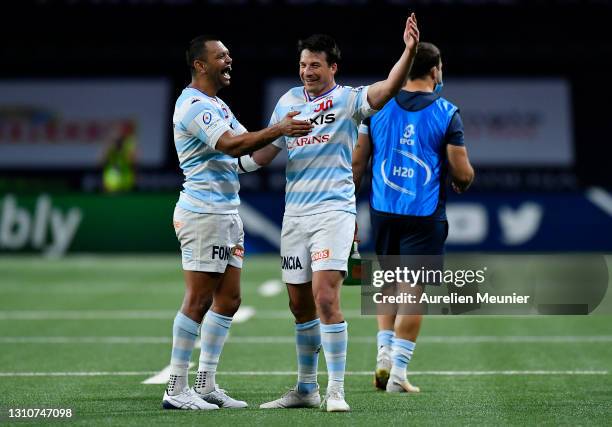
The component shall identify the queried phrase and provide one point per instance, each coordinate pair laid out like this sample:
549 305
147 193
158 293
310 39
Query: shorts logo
291 263
207 117
187 254
177 224
221 252
238 251
320 255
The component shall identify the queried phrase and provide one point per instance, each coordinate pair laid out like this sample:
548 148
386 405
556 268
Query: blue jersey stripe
323 150
333 173
207 175
305 197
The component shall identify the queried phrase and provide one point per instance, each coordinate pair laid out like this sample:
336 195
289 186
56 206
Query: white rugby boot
401 385
334 400
383 367
220 398
295 399
186 399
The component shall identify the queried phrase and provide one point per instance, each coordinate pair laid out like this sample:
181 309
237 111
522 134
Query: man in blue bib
415 141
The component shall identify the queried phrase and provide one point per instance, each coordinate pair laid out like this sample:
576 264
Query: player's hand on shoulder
411 32
292 127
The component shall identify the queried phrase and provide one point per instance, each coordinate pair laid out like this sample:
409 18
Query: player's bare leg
226 297
215 327
301 302
385 322
407 327
326 287
199 290
308 343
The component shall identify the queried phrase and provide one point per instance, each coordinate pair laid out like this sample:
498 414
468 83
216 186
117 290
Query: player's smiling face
316 74
218 63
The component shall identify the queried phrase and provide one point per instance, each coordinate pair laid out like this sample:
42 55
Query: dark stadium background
90 280
529 40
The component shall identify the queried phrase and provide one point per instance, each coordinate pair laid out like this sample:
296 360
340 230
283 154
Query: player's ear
200 66
433 72
334 68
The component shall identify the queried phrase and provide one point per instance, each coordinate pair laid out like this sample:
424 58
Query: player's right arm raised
381 92
237 145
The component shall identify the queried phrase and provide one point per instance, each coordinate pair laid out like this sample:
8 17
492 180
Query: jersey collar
309 99
212 98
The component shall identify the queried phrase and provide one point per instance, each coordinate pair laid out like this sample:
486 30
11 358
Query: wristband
247 164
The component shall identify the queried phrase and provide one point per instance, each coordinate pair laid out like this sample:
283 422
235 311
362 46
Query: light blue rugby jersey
211 178
319 165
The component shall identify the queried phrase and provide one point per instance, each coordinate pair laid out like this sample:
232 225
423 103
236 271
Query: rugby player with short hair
415 141
319 221
208 140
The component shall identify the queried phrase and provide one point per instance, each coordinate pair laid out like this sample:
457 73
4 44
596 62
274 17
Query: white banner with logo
508 122
72 123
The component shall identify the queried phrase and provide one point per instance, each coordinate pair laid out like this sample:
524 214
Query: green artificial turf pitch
85 332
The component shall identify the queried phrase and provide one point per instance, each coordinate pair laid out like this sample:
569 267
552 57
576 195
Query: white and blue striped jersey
319 165
211 178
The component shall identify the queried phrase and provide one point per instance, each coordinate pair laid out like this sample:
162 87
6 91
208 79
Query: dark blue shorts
407 235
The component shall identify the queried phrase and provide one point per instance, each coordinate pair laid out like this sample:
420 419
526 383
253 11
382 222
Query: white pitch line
86 314
163 376
169 314
270 288
443 339
243 314
139 340
284 373
247 313
600 198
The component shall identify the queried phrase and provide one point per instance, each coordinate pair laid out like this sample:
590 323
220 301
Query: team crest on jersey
320 255
207 117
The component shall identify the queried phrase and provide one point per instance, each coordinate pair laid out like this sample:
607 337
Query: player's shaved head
321 43
197 49
427 56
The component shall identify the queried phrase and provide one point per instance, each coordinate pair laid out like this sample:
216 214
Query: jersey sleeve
204 121
280 142
358 103
364 127
237 127
454 132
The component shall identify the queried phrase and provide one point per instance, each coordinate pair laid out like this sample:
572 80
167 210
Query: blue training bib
408 156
